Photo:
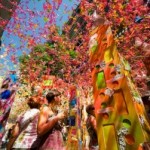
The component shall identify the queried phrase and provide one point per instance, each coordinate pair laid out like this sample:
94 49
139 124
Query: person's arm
93 122
45 124
13 137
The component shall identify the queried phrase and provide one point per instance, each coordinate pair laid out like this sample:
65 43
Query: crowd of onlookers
39 127
42 125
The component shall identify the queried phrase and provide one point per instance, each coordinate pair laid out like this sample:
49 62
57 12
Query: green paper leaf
46 19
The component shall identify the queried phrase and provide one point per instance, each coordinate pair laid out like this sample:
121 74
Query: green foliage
72 54
90 11
42 58
39 48
45 19
46 58
24 59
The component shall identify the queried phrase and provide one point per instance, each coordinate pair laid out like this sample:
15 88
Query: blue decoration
5 95
138 19
73 102
72 120
13 77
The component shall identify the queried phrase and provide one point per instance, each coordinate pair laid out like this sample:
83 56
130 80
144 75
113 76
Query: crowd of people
38 127
42 125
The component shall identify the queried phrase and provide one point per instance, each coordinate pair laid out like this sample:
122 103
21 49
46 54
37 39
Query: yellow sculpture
121 119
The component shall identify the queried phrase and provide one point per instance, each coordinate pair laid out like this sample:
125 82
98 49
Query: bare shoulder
92 119
44 108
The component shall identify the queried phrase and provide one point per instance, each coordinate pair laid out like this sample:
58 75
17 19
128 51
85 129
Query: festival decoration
129 20
74 134
63 60
7 96
118 105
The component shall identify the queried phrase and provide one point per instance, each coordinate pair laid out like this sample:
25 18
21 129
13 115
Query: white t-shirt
28 126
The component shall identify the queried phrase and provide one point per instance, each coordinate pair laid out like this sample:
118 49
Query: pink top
53 140
28 124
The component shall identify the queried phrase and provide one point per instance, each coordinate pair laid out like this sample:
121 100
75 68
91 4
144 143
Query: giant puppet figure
121 119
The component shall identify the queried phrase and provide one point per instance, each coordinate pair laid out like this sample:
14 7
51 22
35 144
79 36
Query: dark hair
90 108
51 94
5 86
50 97
32 103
